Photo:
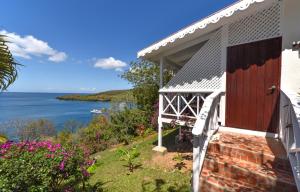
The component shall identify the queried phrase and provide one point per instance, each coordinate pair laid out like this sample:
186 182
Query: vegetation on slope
118 95
112 174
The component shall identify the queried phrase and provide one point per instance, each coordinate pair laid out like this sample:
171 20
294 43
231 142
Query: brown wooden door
253 85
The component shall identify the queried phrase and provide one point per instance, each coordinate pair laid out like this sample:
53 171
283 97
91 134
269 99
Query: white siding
290 73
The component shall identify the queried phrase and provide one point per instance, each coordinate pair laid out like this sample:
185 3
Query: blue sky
83 46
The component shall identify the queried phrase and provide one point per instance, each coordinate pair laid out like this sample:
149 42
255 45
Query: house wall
290 26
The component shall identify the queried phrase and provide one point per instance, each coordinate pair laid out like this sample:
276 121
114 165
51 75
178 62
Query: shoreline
107 96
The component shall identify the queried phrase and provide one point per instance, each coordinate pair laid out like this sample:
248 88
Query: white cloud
58 57
28 46
110 63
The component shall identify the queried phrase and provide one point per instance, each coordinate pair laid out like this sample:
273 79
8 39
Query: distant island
114 95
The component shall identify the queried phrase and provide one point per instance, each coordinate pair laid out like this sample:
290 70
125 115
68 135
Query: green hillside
118 95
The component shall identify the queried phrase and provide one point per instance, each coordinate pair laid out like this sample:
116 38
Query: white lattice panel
202 71
264 24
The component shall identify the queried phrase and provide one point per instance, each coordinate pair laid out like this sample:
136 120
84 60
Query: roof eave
200 25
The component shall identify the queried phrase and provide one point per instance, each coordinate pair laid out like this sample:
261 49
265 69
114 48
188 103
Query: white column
161 72
161 99
159 147
223 68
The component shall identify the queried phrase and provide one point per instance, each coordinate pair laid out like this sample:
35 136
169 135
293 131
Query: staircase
243 163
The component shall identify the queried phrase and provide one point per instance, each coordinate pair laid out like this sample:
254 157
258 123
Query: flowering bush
96 135
42 166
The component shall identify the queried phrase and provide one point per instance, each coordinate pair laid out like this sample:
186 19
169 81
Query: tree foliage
144 76
8 66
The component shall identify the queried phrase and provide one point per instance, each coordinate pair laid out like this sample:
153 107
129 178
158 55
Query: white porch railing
182 106
206 125
289 132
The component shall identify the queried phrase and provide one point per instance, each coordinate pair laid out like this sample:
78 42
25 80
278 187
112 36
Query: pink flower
85 173
62 166
6 145
69 189
31 148
3 151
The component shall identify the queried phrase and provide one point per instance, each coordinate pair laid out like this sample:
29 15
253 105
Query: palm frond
8 66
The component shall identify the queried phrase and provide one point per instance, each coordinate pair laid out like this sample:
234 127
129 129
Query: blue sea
30 106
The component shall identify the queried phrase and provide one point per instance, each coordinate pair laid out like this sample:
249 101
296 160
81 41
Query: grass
114 176
118 95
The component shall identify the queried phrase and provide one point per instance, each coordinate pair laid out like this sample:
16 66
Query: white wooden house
238 70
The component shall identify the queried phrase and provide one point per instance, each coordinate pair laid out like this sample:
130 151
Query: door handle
272 88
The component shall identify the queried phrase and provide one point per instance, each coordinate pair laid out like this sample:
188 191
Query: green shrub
179 161
103 132
65 138
128 124
42 166
131 157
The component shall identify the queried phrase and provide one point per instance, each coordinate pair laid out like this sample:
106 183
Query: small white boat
97 111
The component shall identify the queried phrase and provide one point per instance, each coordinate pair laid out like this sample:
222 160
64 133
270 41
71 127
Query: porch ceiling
183 56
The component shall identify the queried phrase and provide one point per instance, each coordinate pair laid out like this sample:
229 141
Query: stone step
236 162
213 183
257 150
247 174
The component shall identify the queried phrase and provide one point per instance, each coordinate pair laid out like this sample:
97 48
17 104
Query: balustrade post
161 104
178 106
198 104
196 163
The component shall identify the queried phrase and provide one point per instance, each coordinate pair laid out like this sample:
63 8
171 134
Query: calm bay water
45 105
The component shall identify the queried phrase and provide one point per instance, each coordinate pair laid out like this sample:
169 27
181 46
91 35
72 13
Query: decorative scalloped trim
227 12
